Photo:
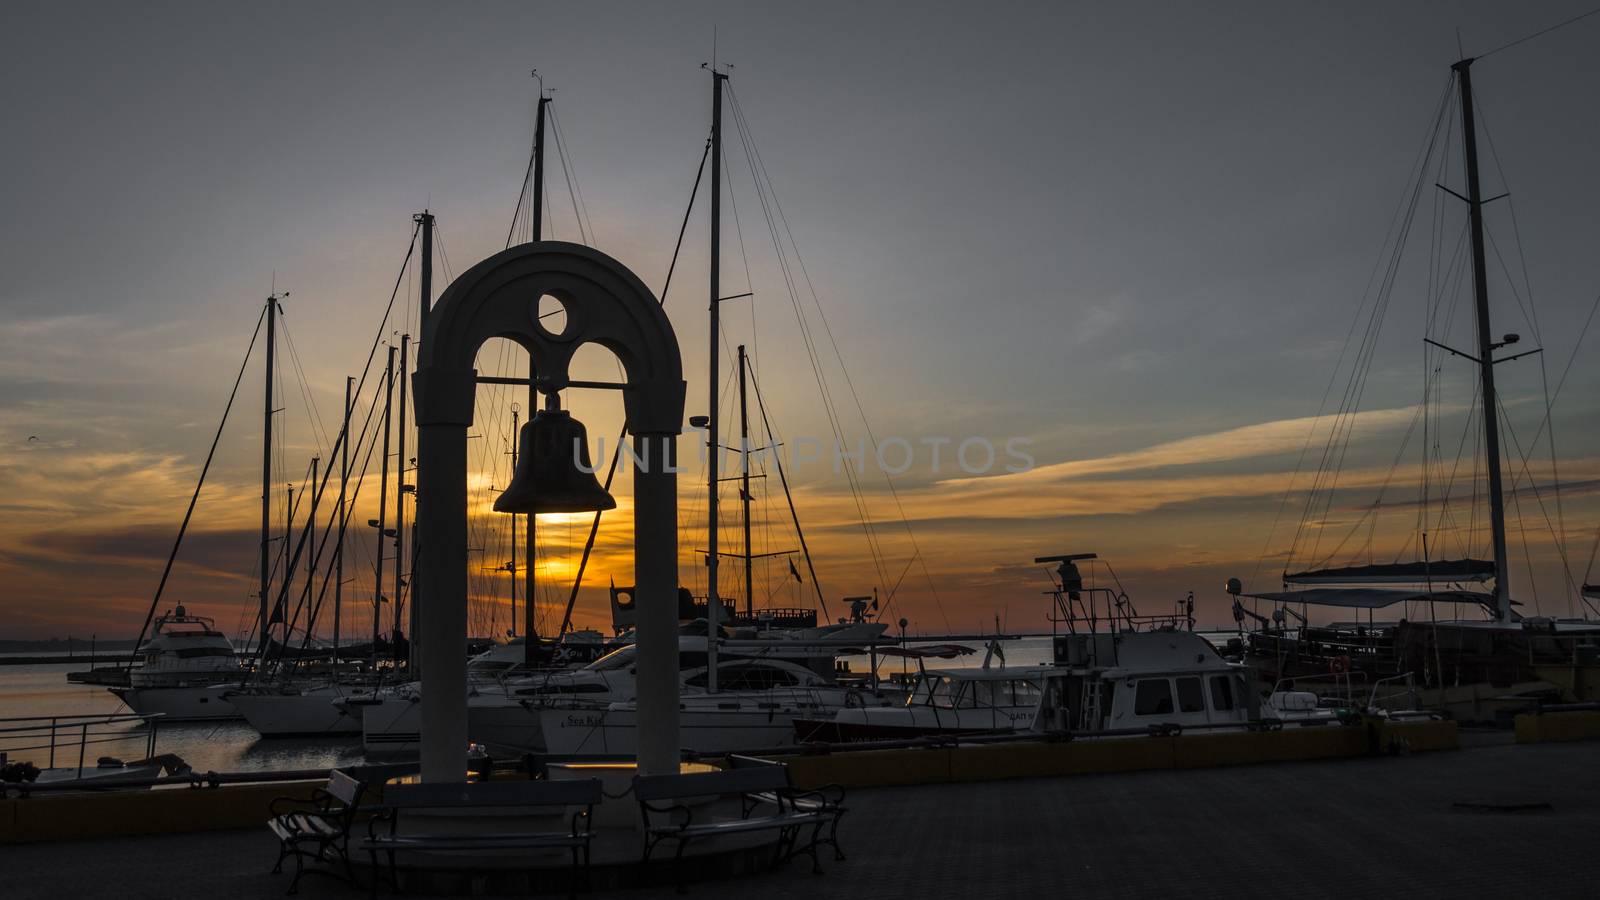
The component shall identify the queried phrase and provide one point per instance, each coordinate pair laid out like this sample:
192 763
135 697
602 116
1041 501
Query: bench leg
299 870
283 852
811 848
677 866
833 836
572 882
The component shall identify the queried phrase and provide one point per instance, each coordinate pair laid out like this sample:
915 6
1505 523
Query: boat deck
1496 819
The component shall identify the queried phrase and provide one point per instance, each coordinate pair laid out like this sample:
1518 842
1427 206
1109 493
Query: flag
795 572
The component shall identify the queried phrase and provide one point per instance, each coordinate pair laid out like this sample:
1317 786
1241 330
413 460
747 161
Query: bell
548 478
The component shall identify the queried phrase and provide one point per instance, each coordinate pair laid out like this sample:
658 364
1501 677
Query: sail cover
1371 598
1419 572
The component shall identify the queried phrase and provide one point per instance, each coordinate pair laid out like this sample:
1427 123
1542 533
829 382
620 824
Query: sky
1133 238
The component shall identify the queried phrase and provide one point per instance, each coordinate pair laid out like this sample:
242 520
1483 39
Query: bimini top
1442 570
1371 598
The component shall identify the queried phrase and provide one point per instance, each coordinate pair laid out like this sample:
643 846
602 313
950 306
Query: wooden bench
384 836
317 829
827 800
665 820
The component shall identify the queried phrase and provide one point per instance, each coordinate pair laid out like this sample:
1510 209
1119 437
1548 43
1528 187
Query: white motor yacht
181 663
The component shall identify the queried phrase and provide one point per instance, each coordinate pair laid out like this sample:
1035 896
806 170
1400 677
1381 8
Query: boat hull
196 703
614 732
295 715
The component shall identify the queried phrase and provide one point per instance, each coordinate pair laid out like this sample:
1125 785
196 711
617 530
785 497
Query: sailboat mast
383 511
1486 346
400 492
530 641
538 167
266 474
744 488
713 602
311 531
338 550
511 566
425 220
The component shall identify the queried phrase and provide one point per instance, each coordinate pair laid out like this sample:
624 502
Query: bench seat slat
735 826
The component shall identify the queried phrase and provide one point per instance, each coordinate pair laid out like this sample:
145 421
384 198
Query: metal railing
59 736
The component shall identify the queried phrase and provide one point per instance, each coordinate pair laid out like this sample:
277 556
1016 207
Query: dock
1496 818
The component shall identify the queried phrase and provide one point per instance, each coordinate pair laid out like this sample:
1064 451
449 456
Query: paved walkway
1350 828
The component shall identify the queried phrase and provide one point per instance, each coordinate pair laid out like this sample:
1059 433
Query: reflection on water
232 746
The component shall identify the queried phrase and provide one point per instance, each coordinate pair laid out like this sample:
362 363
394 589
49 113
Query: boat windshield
616 659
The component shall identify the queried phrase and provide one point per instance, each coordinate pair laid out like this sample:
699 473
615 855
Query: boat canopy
1592 591
1417 572
936 651
1371 598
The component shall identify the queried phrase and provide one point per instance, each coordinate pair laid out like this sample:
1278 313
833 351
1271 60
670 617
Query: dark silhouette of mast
400 494
713 602
383 511
744 488
338 550
511 564
423 219
529 631
311 536
266 475
1486 345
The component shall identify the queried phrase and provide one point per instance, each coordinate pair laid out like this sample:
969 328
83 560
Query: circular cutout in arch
550 315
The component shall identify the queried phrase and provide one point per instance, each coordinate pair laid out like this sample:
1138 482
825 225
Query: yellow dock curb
988 762
1540 728
160 811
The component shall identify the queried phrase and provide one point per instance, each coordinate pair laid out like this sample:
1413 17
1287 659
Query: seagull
32 438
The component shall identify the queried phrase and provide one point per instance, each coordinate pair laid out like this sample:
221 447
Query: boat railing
1349 686
1409 692
63 737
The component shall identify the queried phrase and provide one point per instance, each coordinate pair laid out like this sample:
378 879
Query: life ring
1339 665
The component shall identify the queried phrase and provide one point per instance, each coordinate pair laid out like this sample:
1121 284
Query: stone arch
606 304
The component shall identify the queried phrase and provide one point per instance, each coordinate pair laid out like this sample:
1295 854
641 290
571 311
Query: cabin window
752 678
943 694
580 688
1024 693
985 694
1153 698
1221 693
196 652
1191 695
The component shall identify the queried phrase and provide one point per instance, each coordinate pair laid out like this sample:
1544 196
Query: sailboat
186 658
1468 667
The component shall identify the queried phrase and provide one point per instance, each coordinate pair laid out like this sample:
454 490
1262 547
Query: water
231 746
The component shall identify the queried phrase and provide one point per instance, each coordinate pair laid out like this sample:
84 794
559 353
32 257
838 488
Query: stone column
444 411
655 555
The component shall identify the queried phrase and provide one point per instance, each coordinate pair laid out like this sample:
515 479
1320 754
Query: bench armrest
671 811
375 824
581 817
320 803
830 796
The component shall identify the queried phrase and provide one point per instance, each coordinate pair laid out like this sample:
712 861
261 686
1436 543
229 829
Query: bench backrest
343 788
488 794
649 788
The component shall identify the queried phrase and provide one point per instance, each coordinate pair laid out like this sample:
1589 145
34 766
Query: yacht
185 658
510 712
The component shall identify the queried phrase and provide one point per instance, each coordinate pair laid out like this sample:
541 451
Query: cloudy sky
1134 238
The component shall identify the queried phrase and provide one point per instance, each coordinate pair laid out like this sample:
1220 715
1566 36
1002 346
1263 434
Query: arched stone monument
607 304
